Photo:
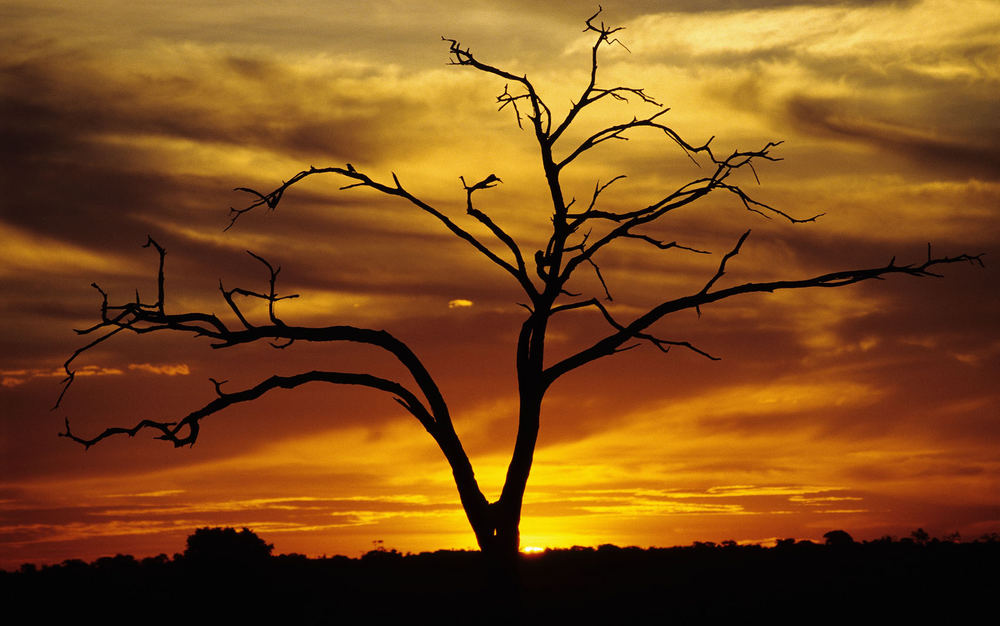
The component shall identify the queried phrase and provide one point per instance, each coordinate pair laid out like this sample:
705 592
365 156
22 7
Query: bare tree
543 277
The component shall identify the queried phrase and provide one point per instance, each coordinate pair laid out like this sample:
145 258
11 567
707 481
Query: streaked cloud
180 369
16 377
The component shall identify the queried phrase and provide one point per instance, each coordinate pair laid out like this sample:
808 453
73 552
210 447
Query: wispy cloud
180 369
13 378
16 377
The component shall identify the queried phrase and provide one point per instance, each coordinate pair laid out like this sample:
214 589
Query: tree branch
683 196
663 345
664 246
609 344
272 199
142 318
722 264
616 132
539 110
522 271
172 431
591 93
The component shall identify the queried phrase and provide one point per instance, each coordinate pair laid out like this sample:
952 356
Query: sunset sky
873 408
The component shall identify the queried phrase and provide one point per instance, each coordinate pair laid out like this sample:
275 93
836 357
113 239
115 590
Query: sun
532 550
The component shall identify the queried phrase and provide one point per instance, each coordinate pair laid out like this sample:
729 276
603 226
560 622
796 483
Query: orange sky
873 408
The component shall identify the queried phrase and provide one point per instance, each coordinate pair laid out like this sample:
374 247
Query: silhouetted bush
838 538
225 546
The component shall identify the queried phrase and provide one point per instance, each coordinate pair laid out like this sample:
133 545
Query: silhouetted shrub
225 546
381 556
838 538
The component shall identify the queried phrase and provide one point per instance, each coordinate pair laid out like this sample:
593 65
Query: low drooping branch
138 317
172 431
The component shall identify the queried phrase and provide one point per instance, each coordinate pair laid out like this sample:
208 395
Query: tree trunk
501 571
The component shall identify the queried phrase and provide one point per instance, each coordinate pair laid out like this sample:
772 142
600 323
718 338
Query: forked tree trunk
497 528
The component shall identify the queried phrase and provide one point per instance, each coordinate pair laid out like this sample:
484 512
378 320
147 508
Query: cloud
27 253
898 31
956 156
180 369
13 378
73 98
917 78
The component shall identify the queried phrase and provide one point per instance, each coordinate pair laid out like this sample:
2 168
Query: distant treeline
231 576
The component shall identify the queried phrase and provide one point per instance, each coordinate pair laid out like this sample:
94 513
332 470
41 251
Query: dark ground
803 583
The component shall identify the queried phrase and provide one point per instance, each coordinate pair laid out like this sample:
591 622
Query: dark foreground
803 583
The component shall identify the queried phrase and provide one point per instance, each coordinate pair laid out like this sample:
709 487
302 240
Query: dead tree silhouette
577 235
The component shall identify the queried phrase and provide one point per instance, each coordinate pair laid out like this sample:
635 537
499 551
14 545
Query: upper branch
591 92
540 115
522 271
617 132
683 196
271 200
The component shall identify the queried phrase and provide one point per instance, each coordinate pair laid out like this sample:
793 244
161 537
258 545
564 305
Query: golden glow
869 408
28 253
